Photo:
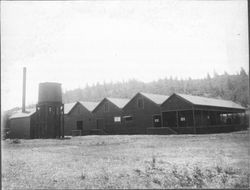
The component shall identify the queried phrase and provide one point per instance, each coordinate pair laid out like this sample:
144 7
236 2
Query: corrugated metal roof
119 102
20 114
157 98
89 105
198 100
68 107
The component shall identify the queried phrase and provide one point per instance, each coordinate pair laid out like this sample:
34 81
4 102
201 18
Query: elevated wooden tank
49 111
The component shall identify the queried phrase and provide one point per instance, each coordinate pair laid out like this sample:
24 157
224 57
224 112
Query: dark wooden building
195 114
108 114
78 118
22 124
143 112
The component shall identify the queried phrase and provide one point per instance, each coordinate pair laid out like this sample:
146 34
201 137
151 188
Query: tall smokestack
24 89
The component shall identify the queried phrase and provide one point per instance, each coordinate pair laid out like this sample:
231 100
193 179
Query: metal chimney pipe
24 89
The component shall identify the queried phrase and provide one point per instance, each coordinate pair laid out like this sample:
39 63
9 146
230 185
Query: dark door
169 119
100 123
79 125
156 120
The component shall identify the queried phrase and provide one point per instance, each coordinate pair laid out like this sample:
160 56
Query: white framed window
183 119
157 120
117 119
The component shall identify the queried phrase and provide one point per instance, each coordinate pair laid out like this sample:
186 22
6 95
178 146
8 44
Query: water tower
50 111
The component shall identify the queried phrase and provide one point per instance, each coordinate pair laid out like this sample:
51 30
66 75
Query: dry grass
174 161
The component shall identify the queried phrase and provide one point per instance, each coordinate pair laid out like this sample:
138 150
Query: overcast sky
82 42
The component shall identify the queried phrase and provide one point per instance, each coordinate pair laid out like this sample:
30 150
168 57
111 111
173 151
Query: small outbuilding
195 114
78 118
143 113
22 124
108 114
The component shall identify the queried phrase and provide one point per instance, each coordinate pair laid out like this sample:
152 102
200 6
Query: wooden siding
220 109
109 125
142 117
78 113
174 103
20 128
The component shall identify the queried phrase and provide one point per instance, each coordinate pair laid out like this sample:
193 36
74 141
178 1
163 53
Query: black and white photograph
122 94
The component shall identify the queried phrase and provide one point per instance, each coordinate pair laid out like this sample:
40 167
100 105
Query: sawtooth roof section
119 102
156 98
20 114
68 107
89 105
204 101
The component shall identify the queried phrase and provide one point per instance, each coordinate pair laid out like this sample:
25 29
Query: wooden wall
20 128
176 103
142 117
109 125
78 113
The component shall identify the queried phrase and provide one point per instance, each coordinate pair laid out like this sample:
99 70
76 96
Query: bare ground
123 161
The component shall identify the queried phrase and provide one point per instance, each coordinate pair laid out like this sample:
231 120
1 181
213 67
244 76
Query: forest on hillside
233 87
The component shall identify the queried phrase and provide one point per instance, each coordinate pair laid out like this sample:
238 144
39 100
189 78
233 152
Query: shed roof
20 114
68 107
89 105
119 102
198 100
156 98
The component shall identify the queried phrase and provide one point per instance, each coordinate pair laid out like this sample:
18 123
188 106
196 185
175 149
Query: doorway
100 123
79 125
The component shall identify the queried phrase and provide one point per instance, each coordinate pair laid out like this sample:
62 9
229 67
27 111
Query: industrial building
22 124
44 121
143 112
108 114
194 114
78 118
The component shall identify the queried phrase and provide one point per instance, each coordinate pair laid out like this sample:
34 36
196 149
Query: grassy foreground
140 161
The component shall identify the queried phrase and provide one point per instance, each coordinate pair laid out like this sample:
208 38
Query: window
117 119
79 110
183 119
50 109
106 107
128 118
140 103
157 120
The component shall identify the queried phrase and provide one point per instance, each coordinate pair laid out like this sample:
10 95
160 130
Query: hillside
230 87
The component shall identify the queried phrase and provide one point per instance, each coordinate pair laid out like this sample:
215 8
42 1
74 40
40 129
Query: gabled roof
68 107
198 100
89 105
20 114
156 98
119 102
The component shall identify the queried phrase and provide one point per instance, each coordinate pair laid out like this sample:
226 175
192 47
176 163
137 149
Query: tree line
226 86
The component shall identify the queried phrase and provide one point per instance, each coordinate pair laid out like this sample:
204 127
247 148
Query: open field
139 161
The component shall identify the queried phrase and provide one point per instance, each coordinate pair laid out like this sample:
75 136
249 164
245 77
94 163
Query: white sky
80 42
